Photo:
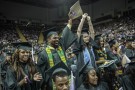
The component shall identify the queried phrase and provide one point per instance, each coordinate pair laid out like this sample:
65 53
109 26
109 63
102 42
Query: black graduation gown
130 52
2 58
100 54
12 83
127 83
101 86
4 65
78 50
112 56
65 42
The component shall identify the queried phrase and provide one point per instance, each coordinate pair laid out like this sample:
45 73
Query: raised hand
88 18
70 21
37 77
84 15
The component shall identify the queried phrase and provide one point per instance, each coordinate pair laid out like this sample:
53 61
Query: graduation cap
9 52
112 42
132 58
130 38
58 68
85 69
47 33
75 10
23 45
97 37
85 30
109 66
132 63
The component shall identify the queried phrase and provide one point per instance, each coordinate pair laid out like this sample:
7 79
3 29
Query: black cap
47 33
132 63
9 52
132 58
112 41
107 64
23 45
111 66
85 30
58 68
85 69
98 36
130 38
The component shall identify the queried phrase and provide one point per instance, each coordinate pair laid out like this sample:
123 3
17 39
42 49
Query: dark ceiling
52 3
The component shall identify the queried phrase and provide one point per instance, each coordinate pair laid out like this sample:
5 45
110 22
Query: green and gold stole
50 56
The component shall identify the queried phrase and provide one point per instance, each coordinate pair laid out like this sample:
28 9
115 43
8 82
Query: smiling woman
23 74
90 79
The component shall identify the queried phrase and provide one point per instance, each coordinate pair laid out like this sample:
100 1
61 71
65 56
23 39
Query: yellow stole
51 63
50 56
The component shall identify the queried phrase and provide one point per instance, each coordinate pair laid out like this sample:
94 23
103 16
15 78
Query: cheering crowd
94 58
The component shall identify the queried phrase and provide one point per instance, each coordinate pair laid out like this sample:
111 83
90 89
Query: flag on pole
75 11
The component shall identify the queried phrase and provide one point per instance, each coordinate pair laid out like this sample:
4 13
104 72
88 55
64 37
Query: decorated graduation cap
85 69
58 68
75 11
51 31
108 66
23 45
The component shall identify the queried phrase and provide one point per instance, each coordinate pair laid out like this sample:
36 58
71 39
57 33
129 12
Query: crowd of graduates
90 59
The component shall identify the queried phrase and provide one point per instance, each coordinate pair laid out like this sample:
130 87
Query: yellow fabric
101 58
40 38
60 53
51 63
23 39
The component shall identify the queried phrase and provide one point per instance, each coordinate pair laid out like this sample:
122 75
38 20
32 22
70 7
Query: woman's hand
84 15
88 18
23 81
37 77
